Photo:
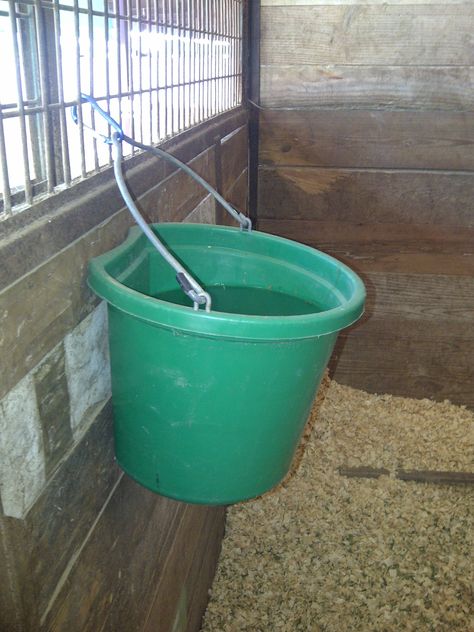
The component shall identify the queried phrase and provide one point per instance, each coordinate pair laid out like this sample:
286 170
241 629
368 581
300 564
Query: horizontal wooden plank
414 339
370 86
370 139
427 34
410 366
437 477
401 248
366 196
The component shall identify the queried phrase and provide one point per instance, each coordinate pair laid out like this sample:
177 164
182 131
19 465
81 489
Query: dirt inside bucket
325 552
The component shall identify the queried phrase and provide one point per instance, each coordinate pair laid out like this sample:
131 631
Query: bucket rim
227 325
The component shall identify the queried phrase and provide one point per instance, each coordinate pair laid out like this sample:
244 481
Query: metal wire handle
187 282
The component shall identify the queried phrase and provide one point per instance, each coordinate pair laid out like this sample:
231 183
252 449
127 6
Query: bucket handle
188 284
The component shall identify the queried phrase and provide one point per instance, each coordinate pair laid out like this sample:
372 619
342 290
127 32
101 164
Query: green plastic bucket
209 407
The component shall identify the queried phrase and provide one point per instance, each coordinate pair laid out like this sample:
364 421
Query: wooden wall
82 547
367 152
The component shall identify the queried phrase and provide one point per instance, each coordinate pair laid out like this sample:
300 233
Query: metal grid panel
158 66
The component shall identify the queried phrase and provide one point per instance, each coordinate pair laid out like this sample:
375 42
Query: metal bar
207 59
150 79
7 199
189 63
90 27
28 45
253 93
201 63
219 56
49 159
198 51
195 292
118 28
212 59
140 74
178 69
79 90
192 78
107 67
225 33
128 46
166 60
62 111
126 93
23 134
46 4
158 62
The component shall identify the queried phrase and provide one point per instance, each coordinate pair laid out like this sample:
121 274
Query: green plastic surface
209 407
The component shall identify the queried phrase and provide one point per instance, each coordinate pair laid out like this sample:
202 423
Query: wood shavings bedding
327 553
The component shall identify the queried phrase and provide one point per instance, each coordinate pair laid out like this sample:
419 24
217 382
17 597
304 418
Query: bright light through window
158 66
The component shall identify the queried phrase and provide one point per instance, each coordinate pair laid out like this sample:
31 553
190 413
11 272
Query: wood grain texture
368 139
437 477
52 397
56 526
385 247
406 365
370 86
179 600
237 195
234 156
11 615
414 340
367 155
114 575
367 197
428 34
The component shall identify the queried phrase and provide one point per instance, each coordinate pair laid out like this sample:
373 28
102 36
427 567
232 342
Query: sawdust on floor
327 553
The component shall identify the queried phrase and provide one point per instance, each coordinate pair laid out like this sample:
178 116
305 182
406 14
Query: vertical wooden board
428 34
369 86
178 583
370 139
203 571
365 197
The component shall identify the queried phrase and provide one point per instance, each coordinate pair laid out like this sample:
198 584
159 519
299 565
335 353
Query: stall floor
327 551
